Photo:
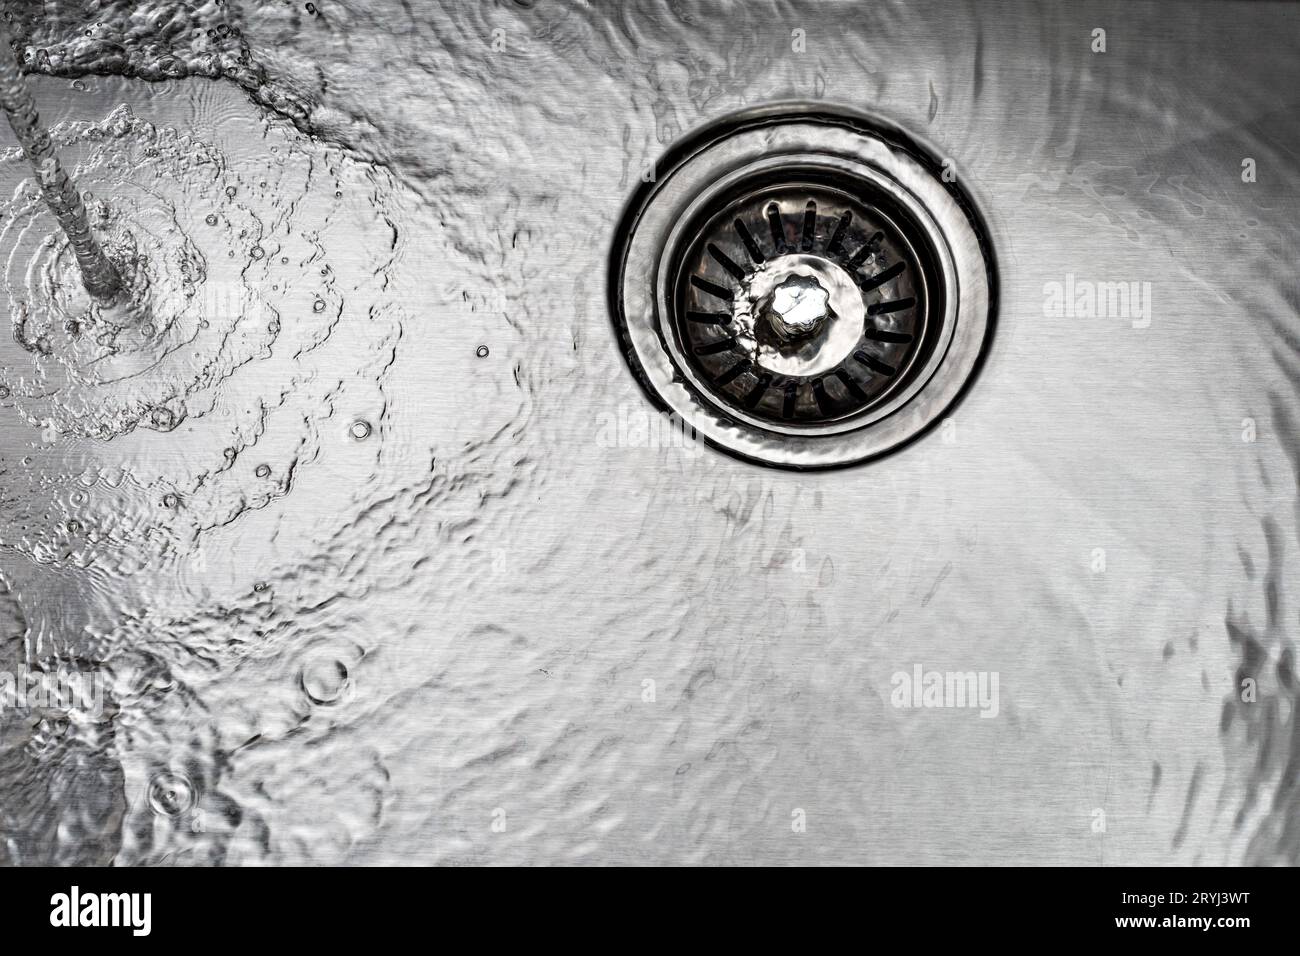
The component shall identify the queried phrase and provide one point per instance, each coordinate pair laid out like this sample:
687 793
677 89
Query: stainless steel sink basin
375 545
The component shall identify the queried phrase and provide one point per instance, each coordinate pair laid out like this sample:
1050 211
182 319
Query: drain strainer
802 289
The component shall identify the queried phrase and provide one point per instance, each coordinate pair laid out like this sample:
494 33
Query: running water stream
98 273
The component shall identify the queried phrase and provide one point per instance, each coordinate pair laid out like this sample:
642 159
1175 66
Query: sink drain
801 289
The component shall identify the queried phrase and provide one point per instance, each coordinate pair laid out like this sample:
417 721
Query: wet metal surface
368 547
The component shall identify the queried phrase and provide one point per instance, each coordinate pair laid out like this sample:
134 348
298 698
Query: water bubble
4 392
256 252
481 351
262 471
228 454
170 500
73 526
171 794
360 430
260 586
210 219
59 725
324 680
163 418
230 192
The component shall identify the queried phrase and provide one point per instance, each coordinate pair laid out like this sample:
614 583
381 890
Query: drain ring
801 288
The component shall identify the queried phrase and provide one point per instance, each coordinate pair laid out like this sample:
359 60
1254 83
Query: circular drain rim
650 241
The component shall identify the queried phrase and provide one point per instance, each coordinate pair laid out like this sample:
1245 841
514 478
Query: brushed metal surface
416 575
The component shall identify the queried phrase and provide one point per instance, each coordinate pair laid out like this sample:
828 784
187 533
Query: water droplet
262 471
360 430
260 587
163 418
79 86
481 351
171 794
324 680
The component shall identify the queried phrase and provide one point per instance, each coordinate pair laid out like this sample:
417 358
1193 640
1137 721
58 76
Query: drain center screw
797 308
